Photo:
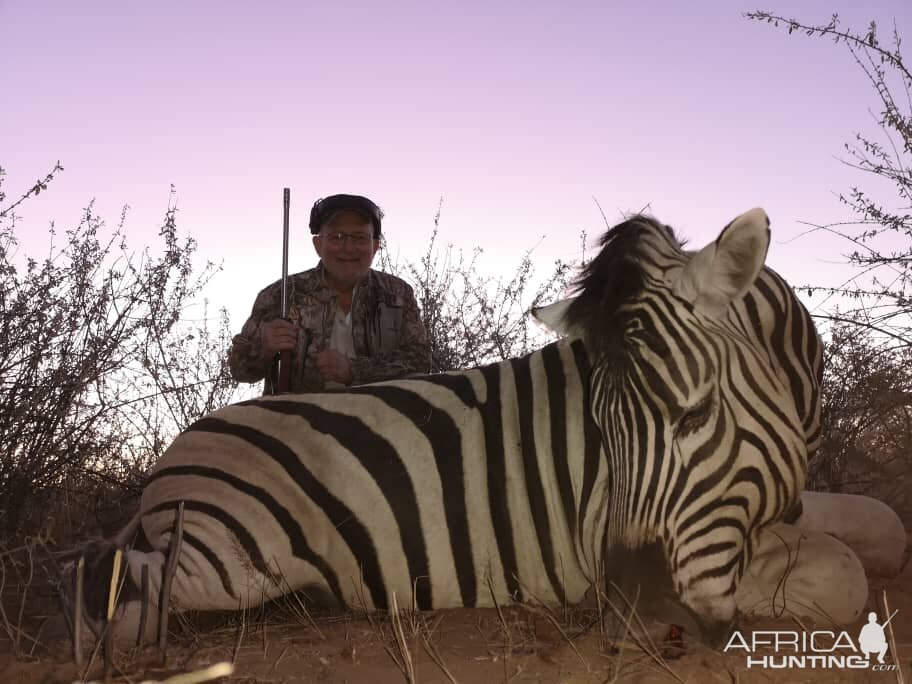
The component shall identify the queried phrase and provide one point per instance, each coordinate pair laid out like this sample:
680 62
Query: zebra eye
695 418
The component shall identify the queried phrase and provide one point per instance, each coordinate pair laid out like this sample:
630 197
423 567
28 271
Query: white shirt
341 340
341 337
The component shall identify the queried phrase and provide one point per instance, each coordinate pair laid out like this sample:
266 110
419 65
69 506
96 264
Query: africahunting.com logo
779 650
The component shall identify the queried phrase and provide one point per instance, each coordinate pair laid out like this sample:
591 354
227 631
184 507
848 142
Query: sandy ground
516 645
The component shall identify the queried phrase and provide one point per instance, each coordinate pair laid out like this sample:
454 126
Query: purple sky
516 113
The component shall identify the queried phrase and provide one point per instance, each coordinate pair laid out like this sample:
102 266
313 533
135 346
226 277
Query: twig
840 319
34 190
77 612
567 639
435 656
854 41
292 599
599 608
144 607
56 581
500 614
11 633
242 628
551 618
263 621
407 666
431 649
25 585
627 631
15 633
278 660
174 548
786 573
112 604
650 648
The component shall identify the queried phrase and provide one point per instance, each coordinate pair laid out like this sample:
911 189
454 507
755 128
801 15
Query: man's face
347 261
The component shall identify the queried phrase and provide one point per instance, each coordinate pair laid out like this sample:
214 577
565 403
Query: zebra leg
134 597
804 573
868 526
138 614
96 588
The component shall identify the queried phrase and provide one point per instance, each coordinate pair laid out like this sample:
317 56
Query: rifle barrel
283 380
286 204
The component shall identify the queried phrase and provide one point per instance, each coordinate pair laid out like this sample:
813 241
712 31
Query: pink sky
516 113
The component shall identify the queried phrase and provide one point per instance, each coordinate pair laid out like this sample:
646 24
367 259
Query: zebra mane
614 277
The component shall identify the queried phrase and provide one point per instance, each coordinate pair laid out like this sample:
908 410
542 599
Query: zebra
674 417
827 539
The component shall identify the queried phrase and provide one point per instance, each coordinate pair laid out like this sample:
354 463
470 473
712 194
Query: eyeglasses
338 239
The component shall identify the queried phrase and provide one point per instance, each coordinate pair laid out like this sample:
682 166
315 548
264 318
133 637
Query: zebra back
457 489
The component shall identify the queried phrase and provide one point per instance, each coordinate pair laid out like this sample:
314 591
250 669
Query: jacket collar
318 286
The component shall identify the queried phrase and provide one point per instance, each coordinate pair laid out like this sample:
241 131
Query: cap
323 210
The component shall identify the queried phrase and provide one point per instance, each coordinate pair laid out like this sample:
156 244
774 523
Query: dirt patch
516 644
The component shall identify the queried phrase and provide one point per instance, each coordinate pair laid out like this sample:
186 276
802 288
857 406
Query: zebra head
703 439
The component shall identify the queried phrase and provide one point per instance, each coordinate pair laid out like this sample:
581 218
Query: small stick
57 583
77 613
432 651
25 584
112 590
275 665
112 603
500 614
108 648
546 611
407 667
242 629
560 629
170 570
144 608
298 607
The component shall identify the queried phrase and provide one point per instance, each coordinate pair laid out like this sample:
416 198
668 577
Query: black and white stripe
666 418
428 486
706 388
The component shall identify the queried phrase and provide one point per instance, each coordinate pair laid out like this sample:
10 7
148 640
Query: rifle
284 381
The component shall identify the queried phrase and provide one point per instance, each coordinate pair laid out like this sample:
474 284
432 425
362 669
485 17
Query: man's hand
278 335
334 366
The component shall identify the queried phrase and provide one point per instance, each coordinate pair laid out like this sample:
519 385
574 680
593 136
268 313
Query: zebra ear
552 316
725 269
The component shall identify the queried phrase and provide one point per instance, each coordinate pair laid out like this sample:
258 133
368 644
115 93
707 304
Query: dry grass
505 644
608 640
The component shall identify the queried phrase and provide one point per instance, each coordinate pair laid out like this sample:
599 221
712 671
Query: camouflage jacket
389 337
